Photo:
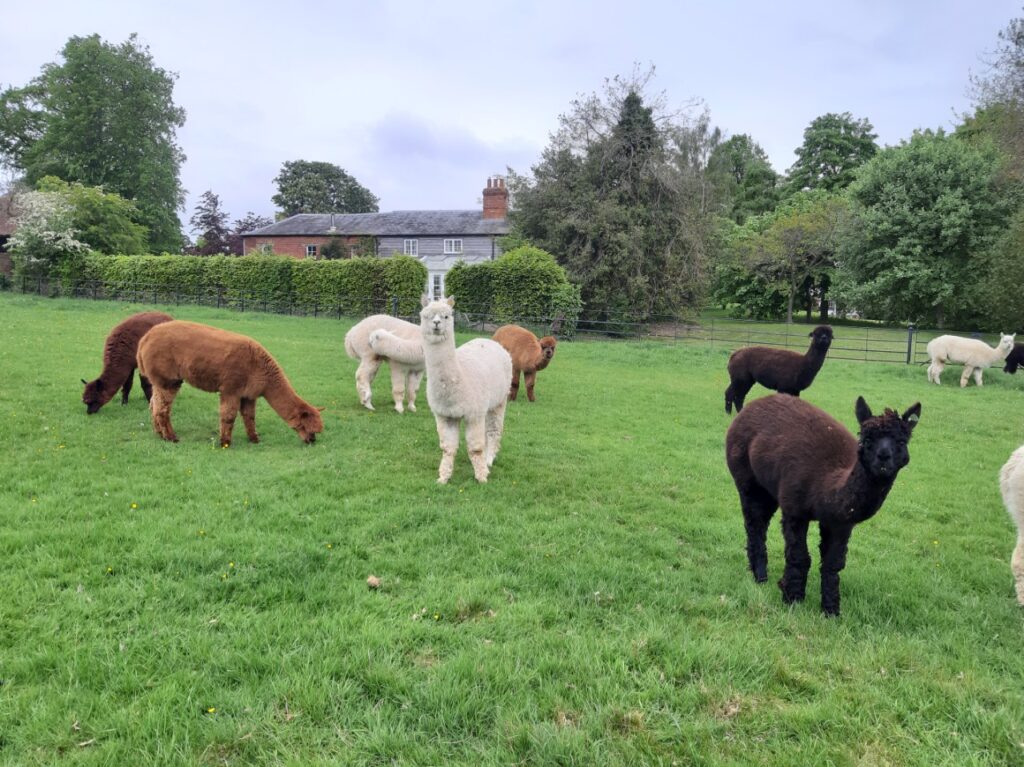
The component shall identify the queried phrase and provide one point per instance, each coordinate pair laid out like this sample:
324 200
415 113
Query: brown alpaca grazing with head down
529 355
119 362
216 360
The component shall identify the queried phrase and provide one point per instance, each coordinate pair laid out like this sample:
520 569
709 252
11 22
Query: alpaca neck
441 361
279 393
862 495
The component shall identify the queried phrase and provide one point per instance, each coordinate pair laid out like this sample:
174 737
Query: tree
925 213
250 222
210 222
747 179
104 221
620 196
320 187
835 145
104 117
44 238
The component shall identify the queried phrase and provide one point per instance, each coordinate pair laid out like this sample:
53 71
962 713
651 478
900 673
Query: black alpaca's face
821 337
884 438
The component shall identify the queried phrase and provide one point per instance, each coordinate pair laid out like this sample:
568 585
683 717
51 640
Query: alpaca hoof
760 578
442 480
368 405
399 408
412 408
254 440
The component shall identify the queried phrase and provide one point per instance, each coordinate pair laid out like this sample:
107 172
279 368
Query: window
436 285
353 251
412 248
452 246
266 248
311 251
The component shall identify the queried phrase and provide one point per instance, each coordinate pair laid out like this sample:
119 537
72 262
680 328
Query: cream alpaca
1011 483
406 373
973 354
469 383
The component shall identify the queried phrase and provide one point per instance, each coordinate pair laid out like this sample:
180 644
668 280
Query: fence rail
859 343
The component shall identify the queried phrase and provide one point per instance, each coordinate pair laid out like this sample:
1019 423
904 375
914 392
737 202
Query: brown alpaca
119 362
216 360
528 355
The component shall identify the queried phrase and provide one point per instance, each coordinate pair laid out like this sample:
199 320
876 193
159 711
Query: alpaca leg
495 430
365 374
127 386
758 508
398 375
476 444
529 379
1017 566
248 409
412 386
147 387
834 542
160 407
798 560
448 432
513 391
935 370
966 376
977 376
228 412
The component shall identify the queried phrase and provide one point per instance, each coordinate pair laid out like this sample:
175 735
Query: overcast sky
422 101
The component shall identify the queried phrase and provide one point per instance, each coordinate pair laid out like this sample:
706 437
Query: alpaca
784 451
785 371
216 360
975 355
469 383
1014 359
119 362
528 355
406 371
1011 484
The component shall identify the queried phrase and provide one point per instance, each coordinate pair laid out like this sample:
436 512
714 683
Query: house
438 238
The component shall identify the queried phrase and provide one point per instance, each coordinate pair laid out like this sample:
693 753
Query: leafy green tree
749 182
925 213
320 187
210 222
334 249
44 239
250 222
834 146
104 221
620 197
105 116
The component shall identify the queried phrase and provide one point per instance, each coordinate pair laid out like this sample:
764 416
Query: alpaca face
821 337
1006 342
884 438
94 396
547 347
309 424
437 321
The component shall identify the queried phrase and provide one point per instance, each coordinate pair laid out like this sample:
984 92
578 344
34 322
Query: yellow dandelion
211 710
135 505
231 564
330 545
202 532
437 616
935 543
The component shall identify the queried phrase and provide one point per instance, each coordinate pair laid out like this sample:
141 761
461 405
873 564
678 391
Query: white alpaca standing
973 354
406 372
469 383
1011 484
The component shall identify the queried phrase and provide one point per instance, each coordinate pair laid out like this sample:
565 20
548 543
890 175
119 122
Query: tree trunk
789 304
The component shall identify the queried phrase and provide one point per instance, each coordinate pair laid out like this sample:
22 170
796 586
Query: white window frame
311 252
435 285
411 248
452 247
353 251
266 248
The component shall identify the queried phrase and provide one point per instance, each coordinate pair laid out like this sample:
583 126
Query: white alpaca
973 354
406 372
469 383
1011 483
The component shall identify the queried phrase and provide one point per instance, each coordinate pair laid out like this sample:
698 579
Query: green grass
589 605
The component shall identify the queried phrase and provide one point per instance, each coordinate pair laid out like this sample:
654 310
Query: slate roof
410 223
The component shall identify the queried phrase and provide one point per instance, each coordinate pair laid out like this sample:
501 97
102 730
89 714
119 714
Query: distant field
186 604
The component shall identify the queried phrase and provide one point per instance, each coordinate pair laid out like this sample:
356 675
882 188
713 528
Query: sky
422 101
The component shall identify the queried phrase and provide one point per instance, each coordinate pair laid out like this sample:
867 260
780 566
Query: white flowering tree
44 238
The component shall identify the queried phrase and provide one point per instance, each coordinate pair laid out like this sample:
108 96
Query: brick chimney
495 198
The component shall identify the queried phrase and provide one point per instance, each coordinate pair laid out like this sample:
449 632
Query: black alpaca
785 371
784 451
1014 359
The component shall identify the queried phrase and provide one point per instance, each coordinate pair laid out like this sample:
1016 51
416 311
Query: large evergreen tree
104 116
210 224
834 146
320 187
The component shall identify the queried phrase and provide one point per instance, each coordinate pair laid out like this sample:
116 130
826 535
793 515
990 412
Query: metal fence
861 342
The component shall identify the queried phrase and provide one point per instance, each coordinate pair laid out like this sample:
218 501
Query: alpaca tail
350 350
387 344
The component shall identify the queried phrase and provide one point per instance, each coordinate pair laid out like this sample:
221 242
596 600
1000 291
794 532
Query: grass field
185 604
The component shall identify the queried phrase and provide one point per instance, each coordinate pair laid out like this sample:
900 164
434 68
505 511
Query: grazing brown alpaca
119 362
528 355
217 360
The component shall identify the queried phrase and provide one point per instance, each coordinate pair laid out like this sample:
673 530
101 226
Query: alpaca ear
451 301
863 411
913 415
321 409
85 382
424 300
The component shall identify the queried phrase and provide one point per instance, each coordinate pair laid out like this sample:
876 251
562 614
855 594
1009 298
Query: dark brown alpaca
217 360
781 369
528 355
119 362
785 452
1014 359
